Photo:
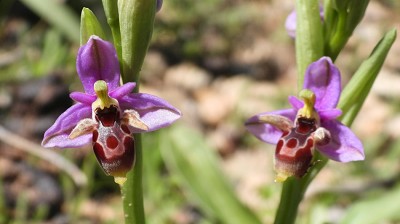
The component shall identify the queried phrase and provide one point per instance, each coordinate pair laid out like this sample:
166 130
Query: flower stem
131 191
293 191
111 11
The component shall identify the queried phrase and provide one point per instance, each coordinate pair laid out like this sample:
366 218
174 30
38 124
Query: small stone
187 76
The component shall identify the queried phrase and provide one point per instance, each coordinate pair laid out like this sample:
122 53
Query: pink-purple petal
323 78
266 132
155 112
123 90
82 97
344 145
57 134
329 114
97 60
290 24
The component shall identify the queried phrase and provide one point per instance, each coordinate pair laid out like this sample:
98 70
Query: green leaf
136 20
58 15
309 38
90 26
375 210
356 91
187 155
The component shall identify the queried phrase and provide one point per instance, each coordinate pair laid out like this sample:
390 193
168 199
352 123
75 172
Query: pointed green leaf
356 91
187 155
90 26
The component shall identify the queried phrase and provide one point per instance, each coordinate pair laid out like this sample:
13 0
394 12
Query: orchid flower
310 124
107 114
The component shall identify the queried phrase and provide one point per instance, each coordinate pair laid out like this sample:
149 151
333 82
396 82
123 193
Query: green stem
111 11
136 20
293 191
309 36
132 190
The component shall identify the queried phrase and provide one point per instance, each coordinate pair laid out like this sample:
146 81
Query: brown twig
50 156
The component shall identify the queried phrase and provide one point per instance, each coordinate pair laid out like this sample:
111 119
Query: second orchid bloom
107 114
310 124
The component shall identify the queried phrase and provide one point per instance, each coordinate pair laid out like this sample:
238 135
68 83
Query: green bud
90 26
136 19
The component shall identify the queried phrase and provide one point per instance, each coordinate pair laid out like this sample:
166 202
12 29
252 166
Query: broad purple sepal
344 146
155 112
57 134
323 78
97 60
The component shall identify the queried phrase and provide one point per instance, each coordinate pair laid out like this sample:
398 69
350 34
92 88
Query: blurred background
219 62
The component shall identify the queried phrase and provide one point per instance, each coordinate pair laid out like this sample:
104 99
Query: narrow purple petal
155 112
97 60
266 132
323 78
123 90
296 103
83 98
330 114
344 146
290 24
57 134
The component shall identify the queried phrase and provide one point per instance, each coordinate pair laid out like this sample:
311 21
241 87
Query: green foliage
376 209
187 27
356 91
53 55
187 155
58 15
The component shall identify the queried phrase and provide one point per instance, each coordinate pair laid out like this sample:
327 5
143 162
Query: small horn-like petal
322 136
132 119
84 127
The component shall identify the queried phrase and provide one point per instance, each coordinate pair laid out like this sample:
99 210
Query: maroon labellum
113 143
295 148
294 151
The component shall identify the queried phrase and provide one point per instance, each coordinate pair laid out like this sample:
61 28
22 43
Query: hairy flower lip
322 78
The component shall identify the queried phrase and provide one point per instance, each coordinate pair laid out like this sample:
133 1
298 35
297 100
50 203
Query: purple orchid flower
107 114
290 23
309 124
